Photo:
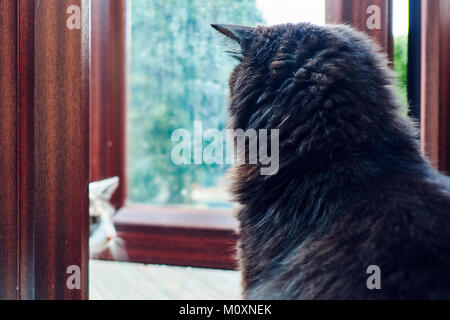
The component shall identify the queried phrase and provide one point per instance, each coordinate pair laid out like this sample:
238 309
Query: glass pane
179 74
400 30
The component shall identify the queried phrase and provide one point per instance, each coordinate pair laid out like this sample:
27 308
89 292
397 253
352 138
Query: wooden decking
122 280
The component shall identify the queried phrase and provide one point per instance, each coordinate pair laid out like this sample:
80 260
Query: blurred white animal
101 212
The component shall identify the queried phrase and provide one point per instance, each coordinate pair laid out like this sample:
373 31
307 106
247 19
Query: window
400 32
178 75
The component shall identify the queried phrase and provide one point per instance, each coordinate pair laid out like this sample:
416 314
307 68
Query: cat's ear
242 34
104 188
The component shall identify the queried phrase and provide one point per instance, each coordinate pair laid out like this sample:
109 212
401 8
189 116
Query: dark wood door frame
8 156
44 163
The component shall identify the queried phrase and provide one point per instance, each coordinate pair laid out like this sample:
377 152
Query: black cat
352 190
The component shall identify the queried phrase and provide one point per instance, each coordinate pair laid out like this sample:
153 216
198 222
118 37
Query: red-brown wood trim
108 100
25 107
175 236
9 267
44 166
61 149
444 84
435 87
354 12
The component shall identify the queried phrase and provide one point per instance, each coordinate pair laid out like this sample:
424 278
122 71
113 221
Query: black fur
352 190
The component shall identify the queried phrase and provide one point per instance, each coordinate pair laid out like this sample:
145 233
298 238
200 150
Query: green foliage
400 68
179 74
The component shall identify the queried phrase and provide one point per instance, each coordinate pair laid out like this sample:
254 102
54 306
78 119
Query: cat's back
403 231
352 190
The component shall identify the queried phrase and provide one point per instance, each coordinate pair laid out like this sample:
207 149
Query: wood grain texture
354 12
8 154
435 87
44 123
61 149
26 146
108 100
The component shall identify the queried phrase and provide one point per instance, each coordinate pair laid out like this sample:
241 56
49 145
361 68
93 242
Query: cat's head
289 70
326 89
101 212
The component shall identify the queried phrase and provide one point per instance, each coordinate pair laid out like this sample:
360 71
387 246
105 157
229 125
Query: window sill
175 236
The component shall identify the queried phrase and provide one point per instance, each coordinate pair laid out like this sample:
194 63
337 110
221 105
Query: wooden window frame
435 83
178 241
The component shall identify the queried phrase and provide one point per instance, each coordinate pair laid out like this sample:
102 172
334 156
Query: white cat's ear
242 34
104 188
